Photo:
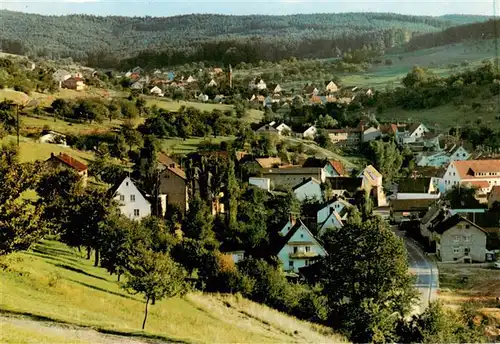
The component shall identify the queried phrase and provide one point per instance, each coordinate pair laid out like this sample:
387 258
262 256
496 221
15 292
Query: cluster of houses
455 235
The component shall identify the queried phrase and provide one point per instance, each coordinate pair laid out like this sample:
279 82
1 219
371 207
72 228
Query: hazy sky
175 7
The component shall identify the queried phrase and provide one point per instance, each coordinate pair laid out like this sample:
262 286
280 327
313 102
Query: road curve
425 270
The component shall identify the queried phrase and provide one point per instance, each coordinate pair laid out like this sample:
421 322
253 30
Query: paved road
427 281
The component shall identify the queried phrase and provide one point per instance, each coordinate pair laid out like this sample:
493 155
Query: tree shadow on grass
80 271
104 290
51 251
137 334
48 257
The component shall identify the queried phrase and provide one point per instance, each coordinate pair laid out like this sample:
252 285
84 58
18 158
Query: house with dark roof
284 176
173 184
409 208
333 168
131 201
459 240
66 161
411 133
343 186
298 247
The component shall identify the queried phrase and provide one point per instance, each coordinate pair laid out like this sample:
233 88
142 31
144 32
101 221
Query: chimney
52 154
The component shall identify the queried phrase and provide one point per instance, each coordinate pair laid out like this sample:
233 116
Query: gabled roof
268 162
166 160
412 127
294 230
306 181
69 161
466 168
389 128
480 184
371 172
333 214
178 172
443 226
411 204
338 166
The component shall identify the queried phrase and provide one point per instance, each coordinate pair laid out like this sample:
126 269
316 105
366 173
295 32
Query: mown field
57 284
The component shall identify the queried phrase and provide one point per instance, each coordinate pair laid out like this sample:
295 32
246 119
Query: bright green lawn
252 114
56 282
30 150
189 145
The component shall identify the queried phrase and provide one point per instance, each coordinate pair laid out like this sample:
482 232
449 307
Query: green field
57 284
191 144
30 150
253 116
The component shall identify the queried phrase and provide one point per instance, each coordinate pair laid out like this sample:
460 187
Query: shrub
388 62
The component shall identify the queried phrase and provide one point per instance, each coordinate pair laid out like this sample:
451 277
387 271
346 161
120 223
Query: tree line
208 37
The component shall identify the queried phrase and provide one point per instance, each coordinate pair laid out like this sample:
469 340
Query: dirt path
71 331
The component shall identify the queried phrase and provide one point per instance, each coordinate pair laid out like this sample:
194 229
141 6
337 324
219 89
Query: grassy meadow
56 283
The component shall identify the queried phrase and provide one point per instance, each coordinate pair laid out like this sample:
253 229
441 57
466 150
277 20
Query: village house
131 202
74 83
61 75
66 161
494 196
257 84
459 240
309 189
202 97
263 183
481 174
443 158
156 91
418 188
346 137
281 129
268 162
372 183
310 133
275 88
332 168
173 184
388 129
190 79
408 209
299 247
310 90
292 176
411 133
137 86
370 134
331 215
212 83
331 87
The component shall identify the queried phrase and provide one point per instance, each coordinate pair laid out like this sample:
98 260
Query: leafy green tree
105 170
20 224
365 277
146 169
199 222
140 104
8 115
155 276
462 197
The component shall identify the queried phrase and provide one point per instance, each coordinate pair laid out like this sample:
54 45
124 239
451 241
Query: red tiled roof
70 161
481 184
466 168
338 166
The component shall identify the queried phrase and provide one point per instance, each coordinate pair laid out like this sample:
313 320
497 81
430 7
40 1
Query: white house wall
126 203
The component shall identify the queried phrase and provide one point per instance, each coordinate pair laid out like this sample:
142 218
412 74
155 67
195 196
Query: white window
136 212
122 198
132 198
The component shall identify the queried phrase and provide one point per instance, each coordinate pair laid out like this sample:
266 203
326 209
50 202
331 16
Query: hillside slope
56 284
35 33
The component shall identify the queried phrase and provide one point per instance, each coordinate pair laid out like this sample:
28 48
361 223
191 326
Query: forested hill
456 34
313 35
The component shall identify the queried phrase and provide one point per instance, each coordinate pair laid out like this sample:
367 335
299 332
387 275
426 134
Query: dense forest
102 41
456 34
